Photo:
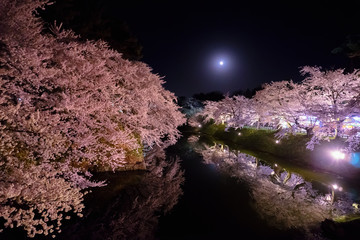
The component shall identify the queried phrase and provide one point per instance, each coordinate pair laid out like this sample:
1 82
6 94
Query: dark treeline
218 96
91 20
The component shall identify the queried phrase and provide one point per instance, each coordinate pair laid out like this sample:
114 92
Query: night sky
259 41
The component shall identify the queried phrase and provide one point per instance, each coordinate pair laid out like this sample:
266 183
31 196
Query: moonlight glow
224 63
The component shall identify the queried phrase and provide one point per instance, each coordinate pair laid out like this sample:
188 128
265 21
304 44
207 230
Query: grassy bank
257 140
290 153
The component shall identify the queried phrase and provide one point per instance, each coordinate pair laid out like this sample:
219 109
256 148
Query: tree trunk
308 132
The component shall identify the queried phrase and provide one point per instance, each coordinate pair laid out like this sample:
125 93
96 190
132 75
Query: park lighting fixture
277 141
239 133
333 188
338 155
199 125
336 187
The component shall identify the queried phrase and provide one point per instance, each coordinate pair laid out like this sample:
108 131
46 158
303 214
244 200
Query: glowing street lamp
277 141
239 134
199 125
338 155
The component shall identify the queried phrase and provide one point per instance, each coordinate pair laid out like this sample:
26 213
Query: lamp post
333 188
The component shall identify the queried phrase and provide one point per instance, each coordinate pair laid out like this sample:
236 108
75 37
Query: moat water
197 190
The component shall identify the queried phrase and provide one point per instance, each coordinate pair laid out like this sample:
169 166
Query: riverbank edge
291 150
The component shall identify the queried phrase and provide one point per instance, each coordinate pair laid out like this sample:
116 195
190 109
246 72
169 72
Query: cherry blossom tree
285 106
147 109
333 95
320 106
68 106
38 198
56 96
234 111
265 103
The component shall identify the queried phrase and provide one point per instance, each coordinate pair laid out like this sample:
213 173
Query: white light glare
338 155
199 125
239 133
277 141
336 187
221 63
328 197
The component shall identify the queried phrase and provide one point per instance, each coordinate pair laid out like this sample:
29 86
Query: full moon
221 63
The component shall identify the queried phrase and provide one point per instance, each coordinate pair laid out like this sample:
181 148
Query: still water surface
194 190
205 191
214 205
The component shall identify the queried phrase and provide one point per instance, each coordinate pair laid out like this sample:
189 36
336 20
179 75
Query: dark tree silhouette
351 48
248 93
211 96
90 19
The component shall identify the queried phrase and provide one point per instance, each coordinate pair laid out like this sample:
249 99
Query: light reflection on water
127 208
210 192
133 212
282 198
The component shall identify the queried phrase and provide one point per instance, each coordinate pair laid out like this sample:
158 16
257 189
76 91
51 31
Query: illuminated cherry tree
284 105
234 111
266 102
324 106
37 198
146 108
334 97
66 107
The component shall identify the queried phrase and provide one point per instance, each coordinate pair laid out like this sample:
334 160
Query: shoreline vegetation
290 152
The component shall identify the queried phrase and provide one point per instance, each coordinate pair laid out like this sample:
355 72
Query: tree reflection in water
284 199
134 212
